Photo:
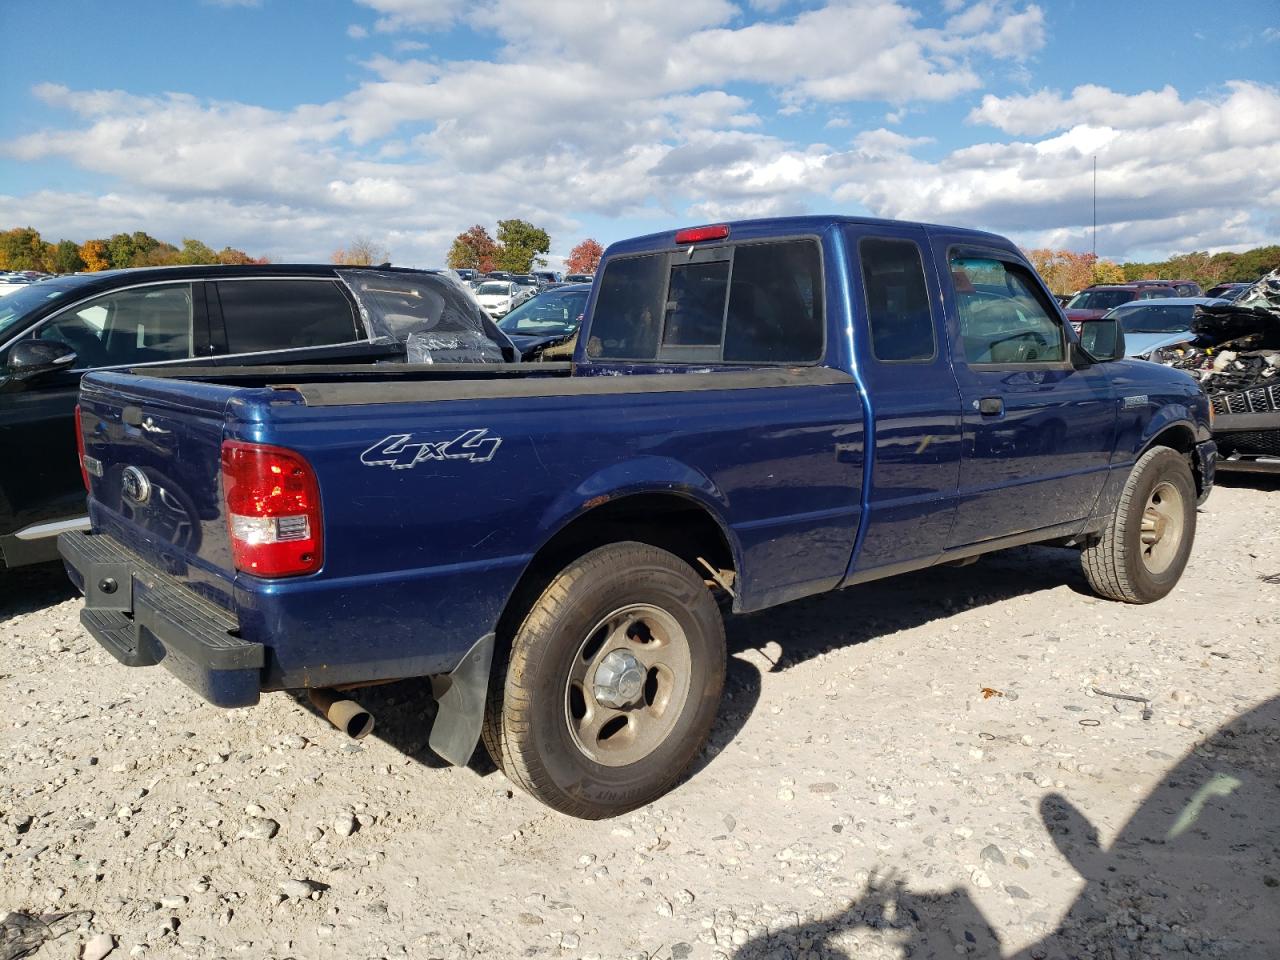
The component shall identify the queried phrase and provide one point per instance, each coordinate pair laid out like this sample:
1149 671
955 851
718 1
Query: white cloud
615 109
356 32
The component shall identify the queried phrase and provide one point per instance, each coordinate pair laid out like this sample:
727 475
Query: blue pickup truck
756 412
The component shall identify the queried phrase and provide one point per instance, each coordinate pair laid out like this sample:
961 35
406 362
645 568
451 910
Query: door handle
991 406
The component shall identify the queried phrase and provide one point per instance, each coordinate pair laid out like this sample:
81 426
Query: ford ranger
756 412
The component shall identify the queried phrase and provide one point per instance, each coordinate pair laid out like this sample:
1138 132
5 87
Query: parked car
1152 324
53 331
551 319
11 282
579 278
1092 302
500 297
547 276
757 412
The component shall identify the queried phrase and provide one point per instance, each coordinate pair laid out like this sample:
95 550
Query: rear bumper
143 617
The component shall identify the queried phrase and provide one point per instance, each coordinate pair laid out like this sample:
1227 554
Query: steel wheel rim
619 735
1162 524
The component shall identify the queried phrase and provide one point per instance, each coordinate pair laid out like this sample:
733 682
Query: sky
288 128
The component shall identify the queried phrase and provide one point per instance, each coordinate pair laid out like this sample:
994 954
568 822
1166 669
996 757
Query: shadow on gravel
1194 872
28 589
1247 481
807 628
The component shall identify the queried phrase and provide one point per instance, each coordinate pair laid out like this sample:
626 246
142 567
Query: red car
1092 302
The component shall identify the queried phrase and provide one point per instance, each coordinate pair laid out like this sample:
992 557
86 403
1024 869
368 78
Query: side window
1002 317
143 325
897 300
283 314
629 309
775 303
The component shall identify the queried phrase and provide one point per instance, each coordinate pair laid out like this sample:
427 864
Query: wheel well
1180 437
670 521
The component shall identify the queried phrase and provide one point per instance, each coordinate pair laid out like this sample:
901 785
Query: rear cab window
750 302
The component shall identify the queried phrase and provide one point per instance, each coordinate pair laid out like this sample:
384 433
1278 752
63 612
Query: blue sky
288 128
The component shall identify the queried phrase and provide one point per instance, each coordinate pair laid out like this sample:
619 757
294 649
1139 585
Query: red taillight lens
698 234
84 471
273 510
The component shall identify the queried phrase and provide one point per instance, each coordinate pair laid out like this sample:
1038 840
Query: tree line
22 248
517 248
1065 271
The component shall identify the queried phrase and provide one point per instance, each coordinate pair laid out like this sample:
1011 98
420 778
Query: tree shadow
1195 871
25 590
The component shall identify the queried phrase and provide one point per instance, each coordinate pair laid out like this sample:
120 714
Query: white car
498 297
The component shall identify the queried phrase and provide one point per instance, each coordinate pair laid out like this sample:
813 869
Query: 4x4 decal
398 453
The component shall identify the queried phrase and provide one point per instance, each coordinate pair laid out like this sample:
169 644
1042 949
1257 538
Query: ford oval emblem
135 485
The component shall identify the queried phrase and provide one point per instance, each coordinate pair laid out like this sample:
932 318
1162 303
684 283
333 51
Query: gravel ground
863 796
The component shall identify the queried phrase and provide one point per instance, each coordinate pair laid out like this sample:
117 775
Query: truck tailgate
152 452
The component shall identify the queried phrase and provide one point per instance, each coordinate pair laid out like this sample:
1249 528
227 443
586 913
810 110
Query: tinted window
282 314
1002 317
142 325
629 309
695 304
1100 299
897 300
1155 317
775 303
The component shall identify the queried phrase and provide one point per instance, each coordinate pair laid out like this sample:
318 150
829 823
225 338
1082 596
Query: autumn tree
194 251
584 258
22 248
473 249
230 255
361 252
520 244
95 255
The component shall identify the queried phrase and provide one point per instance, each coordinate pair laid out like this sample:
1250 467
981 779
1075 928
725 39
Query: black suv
53 331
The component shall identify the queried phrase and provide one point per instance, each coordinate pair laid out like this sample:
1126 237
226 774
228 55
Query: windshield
1099 299
15 306
1156 317
550 314
494 289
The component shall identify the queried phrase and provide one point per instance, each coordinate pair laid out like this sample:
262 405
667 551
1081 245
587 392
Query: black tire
1118 564
528 727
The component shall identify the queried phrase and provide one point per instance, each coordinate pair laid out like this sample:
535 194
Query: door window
1003 318
142 325
261 315
897 300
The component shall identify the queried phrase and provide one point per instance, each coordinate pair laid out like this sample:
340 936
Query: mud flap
461 697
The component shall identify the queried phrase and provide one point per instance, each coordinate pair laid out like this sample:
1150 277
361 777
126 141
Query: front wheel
613 683
1141 553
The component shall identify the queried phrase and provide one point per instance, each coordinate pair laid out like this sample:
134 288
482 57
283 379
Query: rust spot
595 502
989 692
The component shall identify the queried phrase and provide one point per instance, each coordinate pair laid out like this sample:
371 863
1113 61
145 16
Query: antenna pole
1095 207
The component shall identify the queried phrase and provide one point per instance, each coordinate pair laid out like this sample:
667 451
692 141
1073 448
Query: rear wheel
1144 548
613 683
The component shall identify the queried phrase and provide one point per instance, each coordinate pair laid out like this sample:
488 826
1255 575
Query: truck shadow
28 589
801 630
1195 870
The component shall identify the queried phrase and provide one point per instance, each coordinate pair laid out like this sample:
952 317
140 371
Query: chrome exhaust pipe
347 715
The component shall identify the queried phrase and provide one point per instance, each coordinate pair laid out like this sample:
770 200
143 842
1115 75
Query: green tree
23 249
473 249
121 250
520 242
193 251
66 257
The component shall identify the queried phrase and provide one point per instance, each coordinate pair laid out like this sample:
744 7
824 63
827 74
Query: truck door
903 358
1038 432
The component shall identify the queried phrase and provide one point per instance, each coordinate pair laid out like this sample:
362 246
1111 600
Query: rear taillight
84 470
273 510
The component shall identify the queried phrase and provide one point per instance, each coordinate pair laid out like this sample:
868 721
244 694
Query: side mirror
1102 339
30 358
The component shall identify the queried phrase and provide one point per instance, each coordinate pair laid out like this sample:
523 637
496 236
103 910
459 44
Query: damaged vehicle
548 321
1233 350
